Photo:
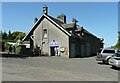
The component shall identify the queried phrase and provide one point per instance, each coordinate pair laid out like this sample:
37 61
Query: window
109 51
45 33
82 34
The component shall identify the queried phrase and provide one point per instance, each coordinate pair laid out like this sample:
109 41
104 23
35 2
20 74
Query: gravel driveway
56 69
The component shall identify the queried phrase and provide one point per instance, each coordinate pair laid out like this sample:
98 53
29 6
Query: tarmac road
56 69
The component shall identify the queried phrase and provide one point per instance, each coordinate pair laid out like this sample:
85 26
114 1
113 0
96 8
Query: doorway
54 48
52 51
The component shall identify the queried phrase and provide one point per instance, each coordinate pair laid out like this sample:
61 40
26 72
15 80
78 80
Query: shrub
6 46
18 49
3 45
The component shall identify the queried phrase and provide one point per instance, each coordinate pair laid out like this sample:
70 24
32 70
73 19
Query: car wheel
107 61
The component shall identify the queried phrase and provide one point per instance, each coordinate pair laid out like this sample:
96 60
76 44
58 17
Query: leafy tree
20 36
4 35
9 35
118 42
14 35
17 35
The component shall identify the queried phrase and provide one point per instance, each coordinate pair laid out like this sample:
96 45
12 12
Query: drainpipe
31 37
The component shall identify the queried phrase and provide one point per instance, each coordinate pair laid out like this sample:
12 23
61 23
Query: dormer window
82 34
45 33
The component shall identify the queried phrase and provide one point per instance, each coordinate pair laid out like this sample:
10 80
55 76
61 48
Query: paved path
56 69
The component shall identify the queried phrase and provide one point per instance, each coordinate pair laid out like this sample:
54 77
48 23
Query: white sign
54 44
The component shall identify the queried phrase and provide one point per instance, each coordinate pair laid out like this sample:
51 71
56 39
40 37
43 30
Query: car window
117 54
108 51
118 51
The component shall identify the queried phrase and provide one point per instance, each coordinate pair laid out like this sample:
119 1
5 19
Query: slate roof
56 20
70 25
60 24
53 20
78 28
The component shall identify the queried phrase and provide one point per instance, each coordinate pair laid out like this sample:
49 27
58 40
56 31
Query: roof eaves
87 32
31 29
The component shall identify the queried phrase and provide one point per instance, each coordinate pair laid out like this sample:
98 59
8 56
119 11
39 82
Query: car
102 55
98 57
114 61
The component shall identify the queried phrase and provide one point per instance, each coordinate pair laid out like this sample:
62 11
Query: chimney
74 20
35 19
45 10
62 18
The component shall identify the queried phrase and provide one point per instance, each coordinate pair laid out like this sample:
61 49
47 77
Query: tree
17 35
20 36
4 35
118 42
9 35
12 36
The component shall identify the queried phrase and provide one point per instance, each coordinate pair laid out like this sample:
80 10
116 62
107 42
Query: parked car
114 61
104 53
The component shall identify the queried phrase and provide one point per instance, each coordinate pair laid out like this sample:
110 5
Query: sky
99 18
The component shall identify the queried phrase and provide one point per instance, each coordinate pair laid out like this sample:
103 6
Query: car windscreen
108 51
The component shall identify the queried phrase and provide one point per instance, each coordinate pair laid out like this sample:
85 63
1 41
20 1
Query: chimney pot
74 20
45 9
62 18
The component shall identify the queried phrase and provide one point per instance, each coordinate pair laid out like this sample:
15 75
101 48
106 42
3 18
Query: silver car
104 53
115 60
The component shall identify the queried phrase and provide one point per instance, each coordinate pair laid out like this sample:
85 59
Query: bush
18 49
3 45
6 46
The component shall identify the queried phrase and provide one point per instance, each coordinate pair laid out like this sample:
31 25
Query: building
53 36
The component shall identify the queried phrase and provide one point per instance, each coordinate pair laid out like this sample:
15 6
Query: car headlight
113 61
